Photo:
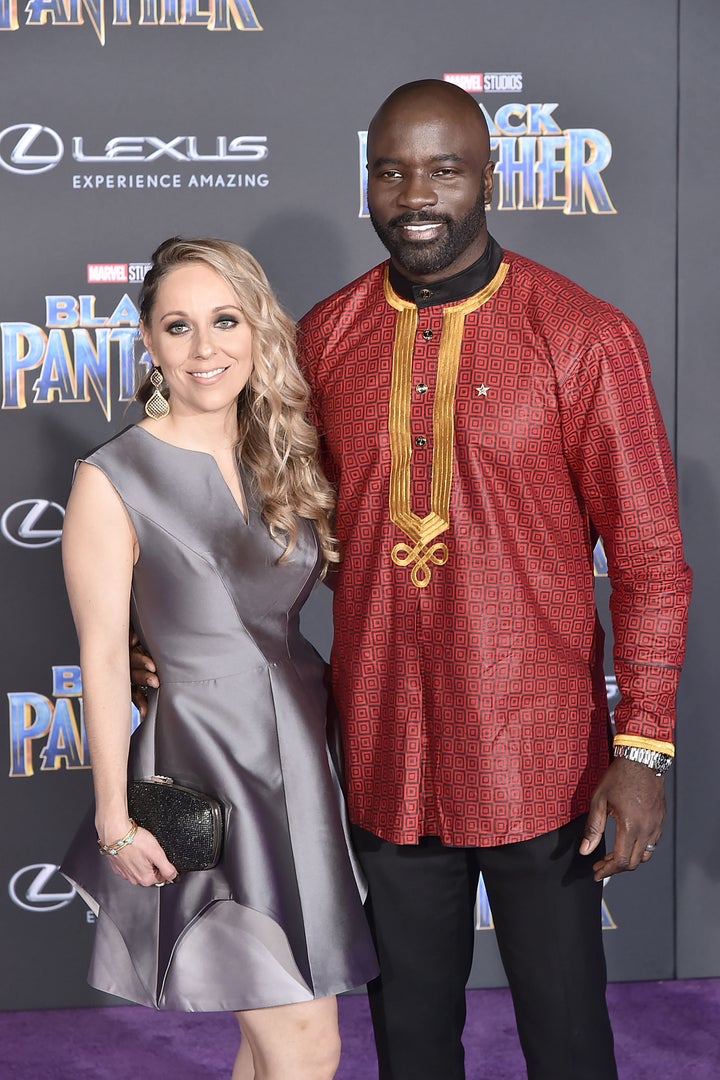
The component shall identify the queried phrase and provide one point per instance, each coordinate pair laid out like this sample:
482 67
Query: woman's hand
142 862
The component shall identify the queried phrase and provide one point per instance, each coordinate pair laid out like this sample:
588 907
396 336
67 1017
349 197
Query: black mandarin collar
452 289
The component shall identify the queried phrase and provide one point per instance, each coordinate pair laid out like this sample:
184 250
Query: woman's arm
99 550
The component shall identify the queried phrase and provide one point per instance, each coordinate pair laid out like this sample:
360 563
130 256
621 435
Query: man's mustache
418 219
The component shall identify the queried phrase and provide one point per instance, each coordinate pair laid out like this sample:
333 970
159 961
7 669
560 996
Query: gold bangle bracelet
113 849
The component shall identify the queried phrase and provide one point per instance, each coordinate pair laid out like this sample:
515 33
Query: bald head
429 177
430 98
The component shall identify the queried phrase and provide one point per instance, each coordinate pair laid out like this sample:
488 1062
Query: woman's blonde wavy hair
276 442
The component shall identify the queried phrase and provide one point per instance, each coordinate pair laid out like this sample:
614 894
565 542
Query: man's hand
635 797
142 673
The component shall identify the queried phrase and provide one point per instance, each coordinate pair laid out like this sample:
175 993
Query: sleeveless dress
240 714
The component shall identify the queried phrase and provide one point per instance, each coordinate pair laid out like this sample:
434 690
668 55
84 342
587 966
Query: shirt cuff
645 744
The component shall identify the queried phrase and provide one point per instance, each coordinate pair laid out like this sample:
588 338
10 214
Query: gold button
428 335
422 388
420 440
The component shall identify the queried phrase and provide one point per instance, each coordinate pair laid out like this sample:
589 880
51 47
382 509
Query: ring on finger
650 847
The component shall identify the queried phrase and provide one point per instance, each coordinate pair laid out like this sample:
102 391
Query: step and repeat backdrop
123 122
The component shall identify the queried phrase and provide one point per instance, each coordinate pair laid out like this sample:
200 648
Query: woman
207 524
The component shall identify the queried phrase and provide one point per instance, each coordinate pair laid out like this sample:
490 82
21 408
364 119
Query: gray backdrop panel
308 82
698 827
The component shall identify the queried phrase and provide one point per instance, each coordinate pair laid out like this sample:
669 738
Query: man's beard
418 257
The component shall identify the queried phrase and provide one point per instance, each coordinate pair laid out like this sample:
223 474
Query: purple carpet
663 1031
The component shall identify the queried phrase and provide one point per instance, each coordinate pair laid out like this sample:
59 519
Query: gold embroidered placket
422 553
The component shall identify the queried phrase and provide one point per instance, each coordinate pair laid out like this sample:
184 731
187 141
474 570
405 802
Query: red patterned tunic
472 445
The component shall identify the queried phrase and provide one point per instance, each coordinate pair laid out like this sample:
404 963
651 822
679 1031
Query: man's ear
488 183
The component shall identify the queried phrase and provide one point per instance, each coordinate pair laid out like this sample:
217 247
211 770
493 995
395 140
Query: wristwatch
659 763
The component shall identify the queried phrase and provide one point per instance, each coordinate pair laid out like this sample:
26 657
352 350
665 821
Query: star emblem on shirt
482 390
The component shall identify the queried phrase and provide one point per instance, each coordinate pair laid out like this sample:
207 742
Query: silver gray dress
240 714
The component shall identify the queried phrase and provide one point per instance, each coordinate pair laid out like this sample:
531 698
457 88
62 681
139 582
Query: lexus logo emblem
30 888
30 148
33 523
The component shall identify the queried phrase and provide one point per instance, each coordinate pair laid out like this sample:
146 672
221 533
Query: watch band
659 763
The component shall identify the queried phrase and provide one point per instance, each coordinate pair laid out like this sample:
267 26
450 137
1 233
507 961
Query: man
481 417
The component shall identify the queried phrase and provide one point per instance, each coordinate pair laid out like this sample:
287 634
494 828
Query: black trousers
547 914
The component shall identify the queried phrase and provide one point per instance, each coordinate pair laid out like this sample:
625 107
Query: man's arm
618 453
308 345
143 673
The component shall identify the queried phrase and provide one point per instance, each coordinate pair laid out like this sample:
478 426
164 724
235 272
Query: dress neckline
244 511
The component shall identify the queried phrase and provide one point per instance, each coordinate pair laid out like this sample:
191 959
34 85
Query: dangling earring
156 406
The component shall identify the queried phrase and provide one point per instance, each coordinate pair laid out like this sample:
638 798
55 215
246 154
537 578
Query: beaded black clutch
187 824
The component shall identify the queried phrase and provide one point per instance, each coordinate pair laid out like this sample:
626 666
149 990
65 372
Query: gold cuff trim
422 531
645 744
